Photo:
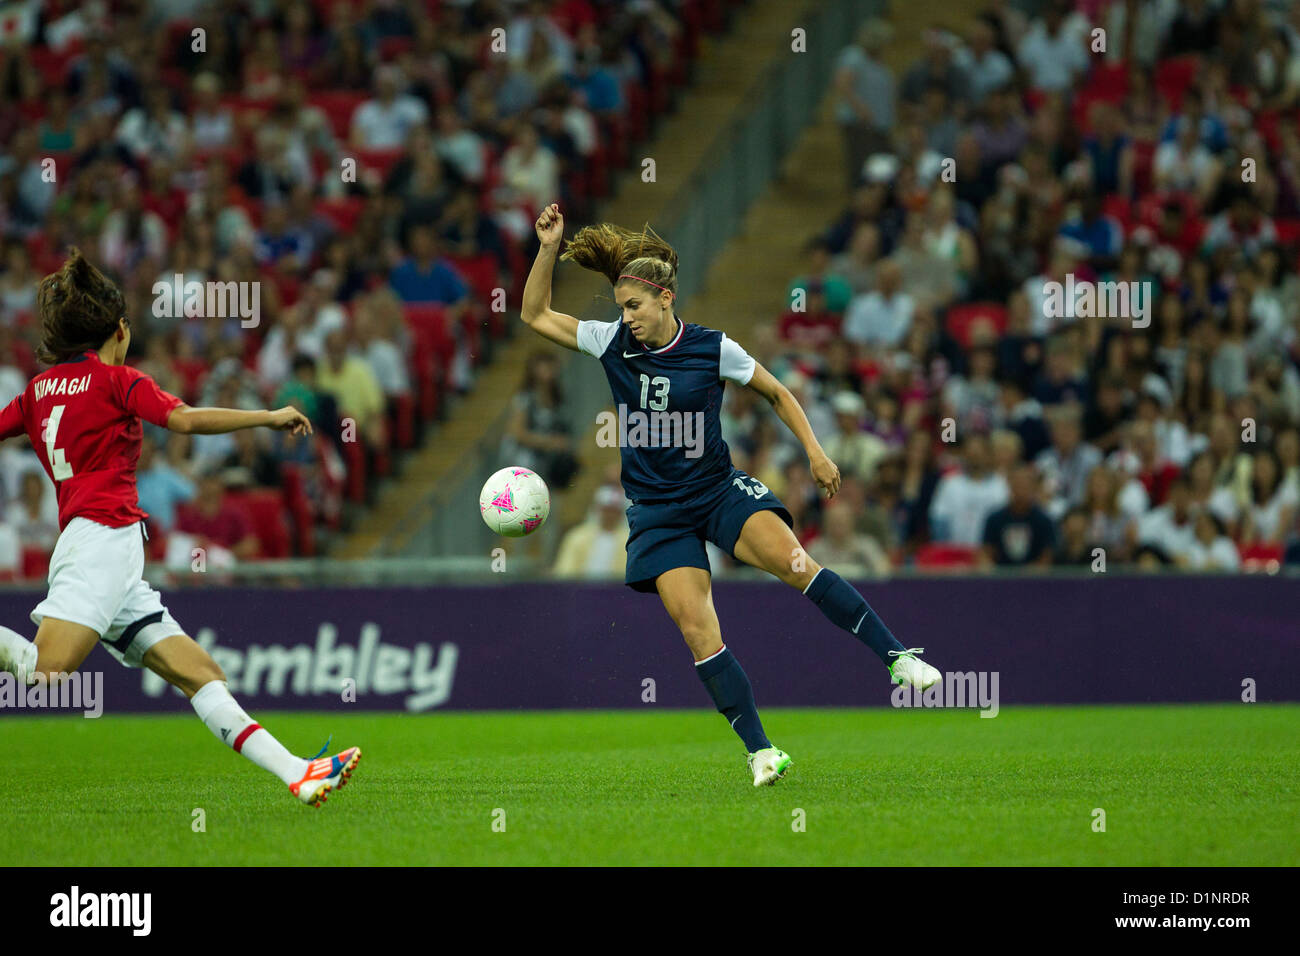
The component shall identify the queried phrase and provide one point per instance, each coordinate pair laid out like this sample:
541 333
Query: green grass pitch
1180 785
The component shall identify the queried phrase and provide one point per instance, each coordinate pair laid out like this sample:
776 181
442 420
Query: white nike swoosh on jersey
634 354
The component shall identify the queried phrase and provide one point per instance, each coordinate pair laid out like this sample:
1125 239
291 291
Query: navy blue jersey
667 403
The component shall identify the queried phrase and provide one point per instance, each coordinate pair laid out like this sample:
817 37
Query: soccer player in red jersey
83 418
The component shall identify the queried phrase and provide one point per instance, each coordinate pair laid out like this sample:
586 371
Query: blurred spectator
161 488
864 86
1171 527
840 547
213 521
353 386
1112 523
385 121
154 129
855 451
1022 415
971 399
212 125
986 68
252 462
538 434
821 272
856 265
34 517
427 276
1074 547
377 320
1271 512
597 548
1210 549
300 391
1019 533
1053 52
529 171
965 498
812 327
882 317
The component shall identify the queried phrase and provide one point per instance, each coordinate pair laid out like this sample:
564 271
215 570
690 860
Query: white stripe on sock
814 578
711 656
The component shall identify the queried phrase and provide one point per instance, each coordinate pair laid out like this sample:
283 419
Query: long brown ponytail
614 251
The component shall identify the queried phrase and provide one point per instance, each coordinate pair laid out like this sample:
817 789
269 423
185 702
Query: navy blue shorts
671 534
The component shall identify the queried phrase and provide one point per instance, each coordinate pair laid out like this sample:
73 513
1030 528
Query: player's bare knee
51 664
700 637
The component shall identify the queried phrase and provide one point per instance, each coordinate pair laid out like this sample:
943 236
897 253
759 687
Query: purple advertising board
564 645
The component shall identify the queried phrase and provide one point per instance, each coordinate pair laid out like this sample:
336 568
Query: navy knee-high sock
846 608
727 684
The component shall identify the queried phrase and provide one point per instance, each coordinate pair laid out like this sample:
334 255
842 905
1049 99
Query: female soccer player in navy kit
683 496
83 418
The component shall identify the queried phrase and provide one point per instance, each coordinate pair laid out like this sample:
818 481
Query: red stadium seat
428 323
390 48
946 556
1174 76
963 320
1288 230
299 507
1260 557
1108 81
338 106
404 420
265 508
481 273
342 212
354 459
1120 208
380 160
36 563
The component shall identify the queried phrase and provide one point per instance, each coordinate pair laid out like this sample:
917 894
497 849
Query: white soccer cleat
17 655
910 671
768 765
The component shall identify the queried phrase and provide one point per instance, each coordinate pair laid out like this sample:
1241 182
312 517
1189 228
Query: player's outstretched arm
787 407
217 421
537 312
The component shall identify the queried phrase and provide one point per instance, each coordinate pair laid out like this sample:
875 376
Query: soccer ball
514 502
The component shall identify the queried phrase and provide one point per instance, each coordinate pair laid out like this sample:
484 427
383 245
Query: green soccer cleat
768 765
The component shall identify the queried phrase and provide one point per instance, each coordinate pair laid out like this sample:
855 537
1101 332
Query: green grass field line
1180 785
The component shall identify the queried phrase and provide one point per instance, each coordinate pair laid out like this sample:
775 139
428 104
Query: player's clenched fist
550 225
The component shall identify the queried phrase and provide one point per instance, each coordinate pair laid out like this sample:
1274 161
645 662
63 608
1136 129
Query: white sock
17 655
227 720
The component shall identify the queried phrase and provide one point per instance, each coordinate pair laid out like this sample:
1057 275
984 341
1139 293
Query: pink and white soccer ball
514 502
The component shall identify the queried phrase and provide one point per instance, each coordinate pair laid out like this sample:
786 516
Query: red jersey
83 419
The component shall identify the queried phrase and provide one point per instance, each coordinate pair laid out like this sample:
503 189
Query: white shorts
96 580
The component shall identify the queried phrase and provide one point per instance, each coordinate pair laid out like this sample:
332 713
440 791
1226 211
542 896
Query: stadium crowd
978 419
367 171
982 420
